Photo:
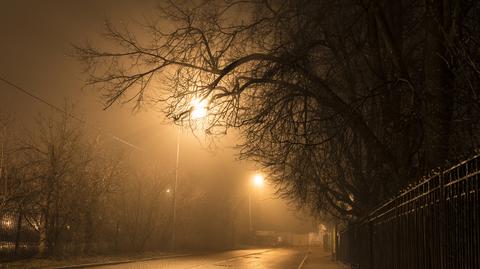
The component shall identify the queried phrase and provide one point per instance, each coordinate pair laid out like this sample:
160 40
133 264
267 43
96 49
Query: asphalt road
278 258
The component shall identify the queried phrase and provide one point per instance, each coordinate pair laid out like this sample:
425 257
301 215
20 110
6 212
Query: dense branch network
320 90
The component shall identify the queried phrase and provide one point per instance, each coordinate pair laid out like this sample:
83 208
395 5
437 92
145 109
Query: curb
141 260
85 265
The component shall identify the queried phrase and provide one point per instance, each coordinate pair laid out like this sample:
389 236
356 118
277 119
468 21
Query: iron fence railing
433 224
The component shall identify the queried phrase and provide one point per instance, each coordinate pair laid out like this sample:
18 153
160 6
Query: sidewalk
318 259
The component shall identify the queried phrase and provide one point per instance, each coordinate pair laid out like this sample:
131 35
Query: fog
214 187
239 134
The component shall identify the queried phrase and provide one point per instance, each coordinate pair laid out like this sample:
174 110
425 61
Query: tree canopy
342 102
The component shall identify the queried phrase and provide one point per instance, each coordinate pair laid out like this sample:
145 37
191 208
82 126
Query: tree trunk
42 247
18 232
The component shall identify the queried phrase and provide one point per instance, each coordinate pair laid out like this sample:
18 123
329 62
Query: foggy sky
35 38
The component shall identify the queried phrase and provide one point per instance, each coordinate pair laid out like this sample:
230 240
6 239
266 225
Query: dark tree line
343 102
65 191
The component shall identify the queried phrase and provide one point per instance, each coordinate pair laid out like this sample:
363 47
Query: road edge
86 265
304 259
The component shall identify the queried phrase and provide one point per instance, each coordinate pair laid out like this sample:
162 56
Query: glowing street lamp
199 109
258 180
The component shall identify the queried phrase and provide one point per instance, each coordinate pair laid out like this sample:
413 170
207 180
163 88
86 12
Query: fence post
443 222
370 246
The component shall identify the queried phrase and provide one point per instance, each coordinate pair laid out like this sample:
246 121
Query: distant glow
167 191
7 222
199 109
258 180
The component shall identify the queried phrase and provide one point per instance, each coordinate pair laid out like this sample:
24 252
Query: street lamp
198 110
257 182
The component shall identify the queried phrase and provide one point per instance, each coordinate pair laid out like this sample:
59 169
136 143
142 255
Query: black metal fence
433 224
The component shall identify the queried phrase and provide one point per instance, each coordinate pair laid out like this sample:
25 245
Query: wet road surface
278 258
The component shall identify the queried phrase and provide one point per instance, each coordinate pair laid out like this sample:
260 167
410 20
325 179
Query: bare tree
144 210
342 101
51 152
66 192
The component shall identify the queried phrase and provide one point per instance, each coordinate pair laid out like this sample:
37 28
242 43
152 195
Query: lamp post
257 182
198 110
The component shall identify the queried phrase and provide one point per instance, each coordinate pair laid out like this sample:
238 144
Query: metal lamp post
198 111
257 182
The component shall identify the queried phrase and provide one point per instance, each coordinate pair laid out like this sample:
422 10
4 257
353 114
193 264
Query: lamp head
199 109
258 180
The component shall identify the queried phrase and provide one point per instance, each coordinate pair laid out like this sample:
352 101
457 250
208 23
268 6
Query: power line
58 109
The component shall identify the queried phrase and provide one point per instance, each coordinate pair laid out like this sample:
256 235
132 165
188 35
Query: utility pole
257 182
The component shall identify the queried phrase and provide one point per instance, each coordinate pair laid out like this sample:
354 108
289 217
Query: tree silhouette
342 101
